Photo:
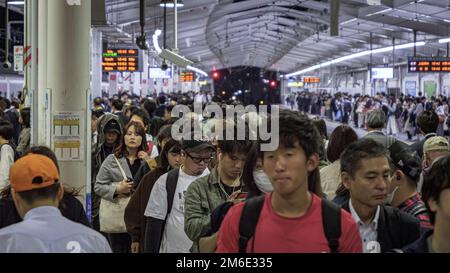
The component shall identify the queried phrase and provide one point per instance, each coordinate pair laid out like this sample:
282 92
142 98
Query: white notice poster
67 135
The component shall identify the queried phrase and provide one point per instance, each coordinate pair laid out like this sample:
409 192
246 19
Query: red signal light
215 75
273 84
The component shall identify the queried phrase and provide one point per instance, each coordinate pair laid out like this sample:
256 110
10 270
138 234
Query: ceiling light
169 3
443 41
356 55
16 2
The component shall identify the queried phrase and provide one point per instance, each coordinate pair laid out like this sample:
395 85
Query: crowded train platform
149 126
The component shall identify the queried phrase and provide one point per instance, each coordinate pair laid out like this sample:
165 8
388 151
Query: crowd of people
153 193
401 111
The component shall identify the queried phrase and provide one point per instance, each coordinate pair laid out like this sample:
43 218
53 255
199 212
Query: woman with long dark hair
25 133
111 185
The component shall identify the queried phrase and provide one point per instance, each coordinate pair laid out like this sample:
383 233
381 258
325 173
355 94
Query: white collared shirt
368 232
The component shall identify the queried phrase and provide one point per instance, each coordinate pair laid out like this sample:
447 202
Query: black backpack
331 221
171 186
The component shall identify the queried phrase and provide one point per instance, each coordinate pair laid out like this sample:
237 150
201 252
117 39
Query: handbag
112 218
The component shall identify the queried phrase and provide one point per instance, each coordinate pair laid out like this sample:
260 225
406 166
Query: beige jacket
330 179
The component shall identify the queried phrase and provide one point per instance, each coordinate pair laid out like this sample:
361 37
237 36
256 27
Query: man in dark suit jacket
365 172
427 122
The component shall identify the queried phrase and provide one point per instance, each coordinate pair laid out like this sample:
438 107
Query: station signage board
187 77
311 79
429 64
121 60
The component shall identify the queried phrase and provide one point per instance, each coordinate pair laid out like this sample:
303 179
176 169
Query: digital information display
121 60
428 64
311 80
187 77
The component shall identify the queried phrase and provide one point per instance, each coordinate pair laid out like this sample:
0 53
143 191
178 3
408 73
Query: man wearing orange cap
36 191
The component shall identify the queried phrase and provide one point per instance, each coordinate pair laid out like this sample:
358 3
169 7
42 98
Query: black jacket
396 229
70 208
419 246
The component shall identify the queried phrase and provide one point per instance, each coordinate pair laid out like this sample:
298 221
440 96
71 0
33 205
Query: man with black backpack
291 218
164 231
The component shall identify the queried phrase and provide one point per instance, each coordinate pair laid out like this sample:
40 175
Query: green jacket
202 197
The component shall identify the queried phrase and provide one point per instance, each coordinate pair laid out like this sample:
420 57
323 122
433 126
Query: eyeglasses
198 160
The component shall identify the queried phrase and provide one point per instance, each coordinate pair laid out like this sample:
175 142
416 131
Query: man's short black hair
297 128
428 122
117 104
437 180
6 129
142 114
150 106
232 146
361 149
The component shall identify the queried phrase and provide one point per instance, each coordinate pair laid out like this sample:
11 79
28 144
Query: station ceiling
284 35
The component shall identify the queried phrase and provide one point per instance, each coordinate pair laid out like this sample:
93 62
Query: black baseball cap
112 126
196 145
405 159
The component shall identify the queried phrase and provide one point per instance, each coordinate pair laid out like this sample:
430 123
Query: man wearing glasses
165 231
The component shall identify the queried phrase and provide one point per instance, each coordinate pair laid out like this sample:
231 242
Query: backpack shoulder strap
249 220
171 185
331 221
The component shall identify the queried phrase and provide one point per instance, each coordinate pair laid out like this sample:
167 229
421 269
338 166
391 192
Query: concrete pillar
96 63
27 38
31 71
41 103
68 66
145 76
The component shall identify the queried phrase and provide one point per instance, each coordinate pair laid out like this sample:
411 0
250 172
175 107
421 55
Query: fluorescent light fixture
443 41
349 21
169 3
16 3
199 71
355 55
379 12
155 41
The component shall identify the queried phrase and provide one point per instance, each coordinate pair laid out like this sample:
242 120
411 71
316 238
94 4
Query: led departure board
311 80
429 64
187 76
121 60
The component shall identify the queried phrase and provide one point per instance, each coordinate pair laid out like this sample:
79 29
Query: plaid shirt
416 207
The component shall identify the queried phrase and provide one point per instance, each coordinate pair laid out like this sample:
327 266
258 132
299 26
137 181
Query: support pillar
96 61
68 77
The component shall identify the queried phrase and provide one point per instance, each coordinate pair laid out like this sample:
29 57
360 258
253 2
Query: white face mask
262 181
390 196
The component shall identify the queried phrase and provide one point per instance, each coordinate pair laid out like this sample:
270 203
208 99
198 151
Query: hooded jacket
97 150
